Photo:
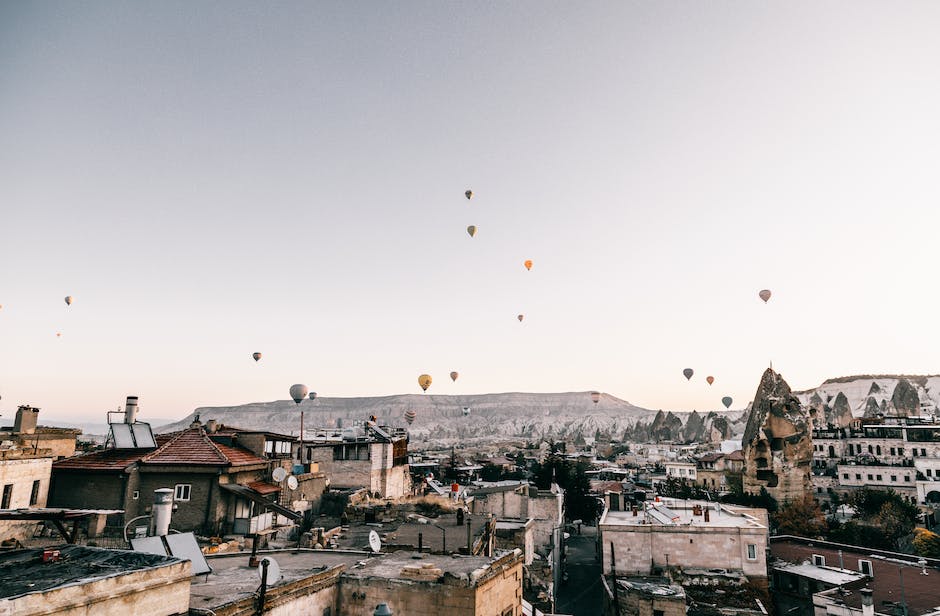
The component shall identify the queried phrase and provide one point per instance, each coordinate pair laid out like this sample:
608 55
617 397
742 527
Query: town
215 519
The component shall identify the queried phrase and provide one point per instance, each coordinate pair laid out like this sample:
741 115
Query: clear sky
217 178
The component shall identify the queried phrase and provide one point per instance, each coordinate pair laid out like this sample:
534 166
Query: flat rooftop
670 513
232 579
829 575
405 533
391 566
23 572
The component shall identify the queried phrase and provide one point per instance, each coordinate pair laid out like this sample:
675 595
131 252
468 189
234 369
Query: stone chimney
868 605
212 425
26 418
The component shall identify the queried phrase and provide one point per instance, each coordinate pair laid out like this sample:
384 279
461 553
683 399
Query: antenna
269 571
374 542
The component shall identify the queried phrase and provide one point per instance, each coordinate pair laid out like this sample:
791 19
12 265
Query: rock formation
778 442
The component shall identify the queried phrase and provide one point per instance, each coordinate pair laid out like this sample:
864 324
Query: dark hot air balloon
727 401
688 372
256 356
765 295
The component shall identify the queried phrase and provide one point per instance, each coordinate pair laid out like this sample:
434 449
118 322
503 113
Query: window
907 478
183 491
929 472
136 494
845 475
659 612
819 561
894 477
870 478
878 477
892 451
7 495
878 449
900 451
858 476
34 495
865 567
923 452
870 449
751 551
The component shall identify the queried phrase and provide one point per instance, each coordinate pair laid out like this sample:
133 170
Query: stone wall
21 472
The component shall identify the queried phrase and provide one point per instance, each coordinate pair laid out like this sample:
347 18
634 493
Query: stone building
26 434
638 596
778 442
24 477
85 580
687 537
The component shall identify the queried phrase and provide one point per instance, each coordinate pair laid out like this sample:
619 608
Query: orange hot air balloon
454 375
710 379
424 381
520 317
528 264
764 295
410 416
472 230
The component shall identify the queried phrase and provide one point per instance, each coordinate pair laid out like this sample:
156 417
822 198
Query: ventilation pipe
130 410
868 605
162 511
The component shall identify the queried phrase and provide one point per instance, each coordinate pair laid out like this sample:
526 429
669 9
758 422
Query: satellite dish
292 482
374 542
274 571
279 474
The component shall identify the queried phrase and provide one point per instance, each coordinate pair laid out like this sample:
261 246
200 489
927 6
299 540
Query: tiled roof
193 447
189 447
263 487
711 457
104 460
735 455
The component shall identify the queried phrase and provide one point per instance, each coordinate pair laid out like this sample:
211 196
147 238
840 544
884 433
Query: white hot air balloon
298 392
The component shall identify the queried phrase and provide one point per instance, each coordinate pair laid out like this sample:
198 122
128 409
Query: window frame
180 489
751 551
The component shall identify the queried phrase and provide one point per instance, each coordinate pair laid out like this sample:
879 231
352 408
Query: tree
579 504
802 518
926 543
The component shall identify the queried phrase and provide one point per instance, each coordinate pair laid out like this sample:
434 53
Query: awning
247 492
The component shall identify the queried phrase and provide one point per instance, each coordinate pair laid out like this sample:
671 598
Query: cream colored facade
25 477
732 538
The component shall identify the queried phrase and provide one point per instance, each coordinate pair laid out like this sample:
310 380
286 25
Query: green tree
579 504
802 518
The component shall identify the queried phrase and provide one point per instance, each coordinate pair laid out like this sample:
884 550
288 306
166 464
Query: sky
212 179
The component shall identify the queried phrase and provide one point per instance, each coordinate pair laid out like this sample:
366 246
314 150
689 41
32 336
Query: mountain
838 401
441 420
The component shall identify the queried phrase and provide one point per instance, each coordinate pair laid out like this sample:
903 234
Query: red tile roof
189 447
735 455
193 447
104 460
711 457
263 487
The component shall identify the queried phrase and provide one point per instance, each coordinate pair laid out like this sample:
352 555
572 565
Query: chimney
25 422
130 410
868 606
707 514
162 511
212 425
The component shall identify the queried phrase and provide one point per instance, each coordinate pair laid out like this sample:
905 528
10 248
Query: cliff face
837 401
778 444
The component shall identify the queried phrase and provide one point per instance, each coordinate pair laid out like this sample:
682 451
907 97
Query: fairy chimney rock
778 442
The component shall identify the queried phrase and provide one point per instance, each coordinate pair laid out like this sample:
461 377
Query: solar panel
149 545
143 435
123 439
184 546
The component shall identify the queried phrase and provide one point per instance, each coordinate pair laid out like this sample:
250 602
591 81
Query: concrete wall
161 591
638 549
311 596
200 513
377 473
496 593
86 490
21 473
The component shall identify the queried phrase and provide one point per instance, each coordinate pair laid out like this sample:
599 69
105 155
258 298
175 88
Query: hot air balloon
528 264
68 300
520 317
298 393
313 395
710 379
595 397
424 381
764 295
58 335
468 194
688 372
454 375
466 411
410 416
727 401
256 356
472 230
